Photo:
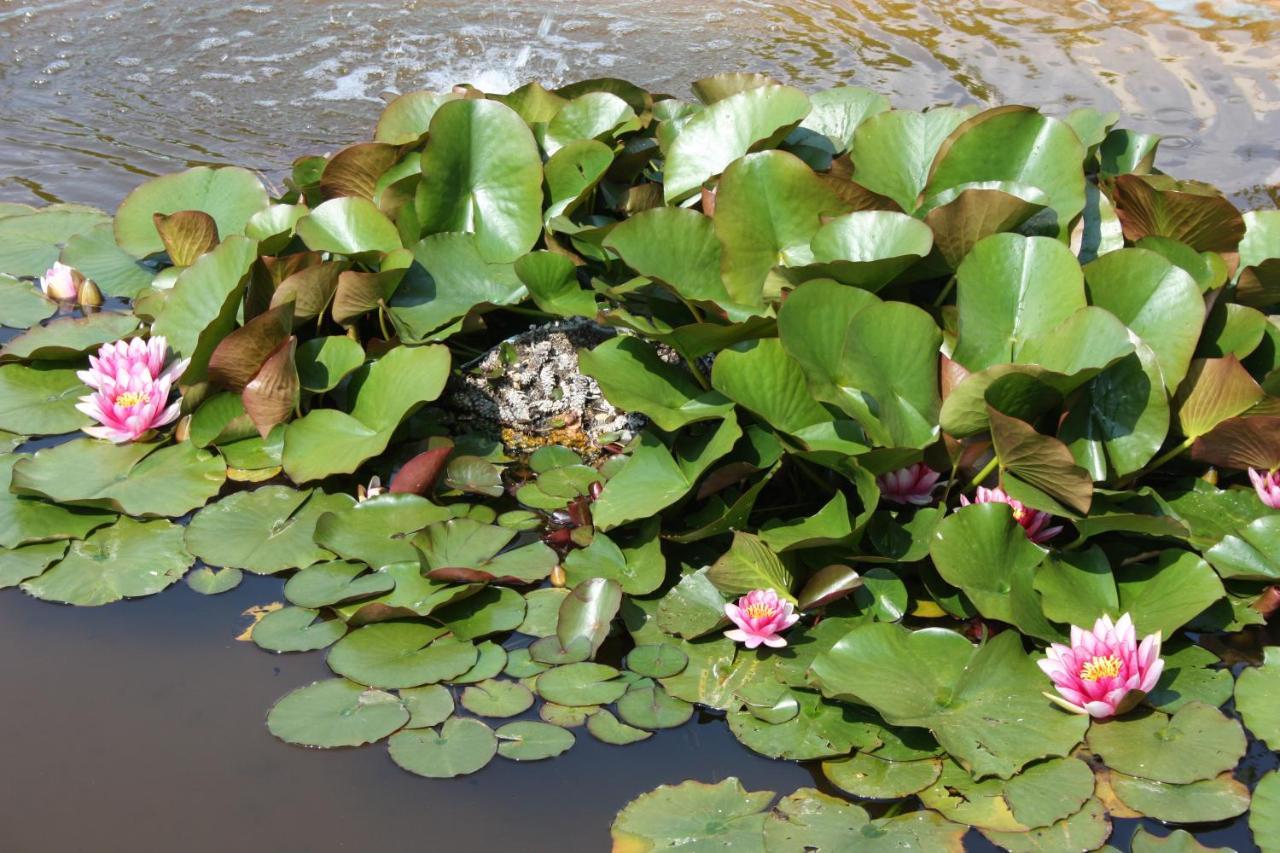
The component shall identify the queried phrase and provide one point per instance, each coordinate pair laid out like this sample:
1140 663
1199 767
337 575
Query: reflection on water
99 94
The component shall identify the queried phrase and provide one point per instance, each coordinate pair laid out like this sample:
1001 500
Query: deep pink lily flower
1104 672
1267 485
61 283
131 389
761 616
1033 521
914 484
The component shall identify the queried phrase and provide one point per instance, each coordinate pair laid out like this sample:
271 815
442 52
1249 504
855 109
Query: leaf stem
945 292
985 472
1177 450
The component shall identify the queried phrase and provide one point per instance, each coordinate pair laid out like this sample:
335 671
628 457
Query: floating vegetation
936 448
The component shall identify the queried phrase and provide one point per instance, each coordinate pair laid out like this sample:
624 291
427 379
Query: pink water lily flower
61 283
1104 672
761 616
1033 521
1267 485
131 386
914 484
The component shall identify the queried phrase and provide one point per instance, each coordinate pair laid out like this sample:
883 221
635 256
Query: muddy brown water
139 726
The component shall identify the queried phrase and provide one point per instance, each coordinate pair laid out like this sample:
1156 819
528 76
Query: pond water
99 95
142 722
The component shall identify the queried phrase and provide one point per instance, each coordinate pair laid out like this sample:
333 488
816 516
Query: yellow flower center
1018 513
129 399
758 611
1101 667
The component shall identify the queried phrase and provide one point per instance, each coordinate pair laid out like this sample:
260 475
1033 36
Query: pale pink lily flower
761 615
61 283
914 484
1267 485
1033 521
131 389
1104 672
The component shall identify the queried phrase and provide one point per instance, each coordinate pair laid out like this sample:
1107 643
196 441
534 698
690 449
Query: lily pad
1197 742
22 305
581 684
335 713
400 654
68 338
656 660
864 775
1087 829
20 564
1256 697
497 698
208 581
377 531
528 740
25 520
40 399
653 708
809 820
230 195
263 531
1206 801
1264 819
296 629
459 747
723 815
604 726
428 706
335 582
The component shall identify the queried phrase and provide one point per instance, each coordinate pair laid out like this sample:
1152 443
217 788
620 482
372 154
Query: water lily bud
558 577
61 283
89 296
183 430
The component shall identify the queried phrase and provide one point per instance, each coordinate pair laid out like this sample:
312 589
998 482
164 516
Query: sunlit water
139 726
95 96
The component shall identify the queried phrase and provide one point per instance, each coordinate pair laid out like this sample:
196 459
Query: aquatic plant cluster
954 464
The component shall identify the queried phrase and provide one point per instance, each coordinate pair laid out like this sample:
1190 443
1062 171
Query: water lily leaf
207 581
1178 841
296 629
201 308
656 660
497 698
572 173
492 610
229 195
1167 593
1264 819
892 151
1250 553
675 246
22 305
604 726
1019 145
459 747
428 706
1087 829
1009 290
962 215
263 531
463 547
25 520
490 663
692 607
827 585
865 775
809 820
588 611
1232 329
327 441
594 115
992 689
136 479
765 378
552 282
1196 743
750 564
334 713
31 238
640 569
69 337
400 654
1156 299
533 741
475 475
273 394
482 173
582 683
1049 791
866 248
1255 697
635 379
836 113
186 235
407 117
1188 677
1192 212
129 559
542 611
981 550
449 279
961 798
20 564
356 169
820 729
1199 802
376 531
348 226
40 399
1041 471
693 813
769 205
711 140
1244 442
653 708
238 357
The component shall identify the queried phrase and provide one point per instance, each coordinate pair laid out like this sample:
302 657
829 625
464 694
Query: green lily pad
115 272
20 564
400 654
692 607
1087 829
25 520
334 713
376 531
1264 819
821 729
263 531
492 610
348 226
694 815
497 698
604 726
1250 552
459 747
528 740
588 612
207 581
68 338
984 705
959 797
635 379
230 195
653 708
809 820
1196 743
583 683
490 663
1188 677
1178 841
864 775
1206 801
1256 697
565 716
657 660
639 568
40 399
136 479
30 238
1050 791
428 706
335 582
22 305
296 629
126 560
542 611
892 151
